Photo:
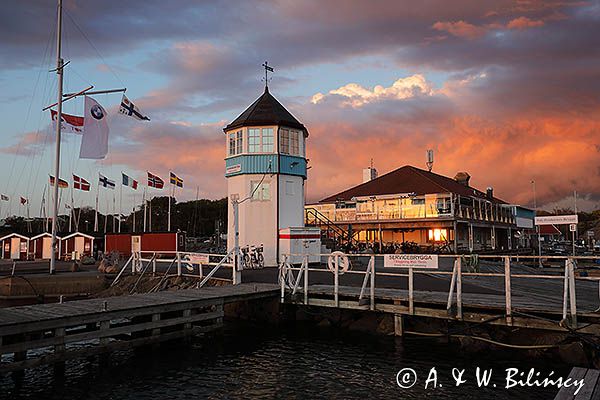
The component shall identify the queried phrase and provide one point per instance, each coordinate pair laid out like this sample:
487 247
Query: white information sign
573 227
425 261
556 220
198 258
233 169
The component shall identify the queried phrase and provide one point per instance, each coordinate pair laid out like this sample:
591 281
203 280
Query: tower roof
266 110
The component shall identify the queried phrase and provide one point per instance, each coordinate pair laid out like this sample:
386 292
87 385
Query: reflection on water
276 363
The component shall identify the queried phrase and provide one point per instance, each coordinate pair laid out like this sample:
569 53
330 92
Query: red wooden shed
126 243
82 243
15 247
41 246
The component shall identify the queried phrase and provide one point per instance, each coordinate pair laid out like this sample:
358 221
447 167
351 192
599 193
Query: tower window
235 143
267 140
284 142
289 142
253 140
262 192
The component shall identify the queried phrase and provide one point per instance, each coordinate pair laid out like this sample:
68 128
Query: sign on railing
421 261
556 220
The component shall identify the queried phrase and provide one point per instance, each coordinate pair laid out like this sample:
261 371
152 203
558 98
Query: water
277 363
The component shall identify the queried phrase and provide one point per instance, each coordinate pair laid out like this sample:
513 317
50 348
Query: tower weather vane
267 70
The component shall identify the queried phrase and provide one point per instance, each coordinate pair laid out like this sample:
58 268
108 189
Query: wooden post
459 313
156 318
336 280
188 325
411 297
572 296
451 289
178 264
104 325
60 333
507 290
282 273
398 325
372 288
565 291
153 265
305 279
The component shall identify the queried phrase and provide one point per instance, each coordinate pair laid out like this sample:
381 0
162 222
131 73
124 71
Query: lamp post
537 227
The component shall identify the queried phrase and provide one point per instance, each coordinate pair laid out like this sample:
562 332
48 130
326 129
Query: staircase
333 236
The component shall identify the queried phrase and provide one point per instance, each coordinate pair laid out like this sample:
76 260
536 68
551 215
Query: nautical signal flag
128 181
131 110
23 200
80 184
70 123
105 182
4 197
61 182
175 180
94 144
155 182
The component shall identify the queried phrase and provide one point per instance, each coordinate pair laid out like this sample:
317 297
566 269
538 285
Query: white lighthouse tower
265 167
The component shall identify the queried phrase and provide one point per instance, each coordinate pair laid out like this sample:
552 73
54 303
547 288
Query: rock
386 325
324 323
367 323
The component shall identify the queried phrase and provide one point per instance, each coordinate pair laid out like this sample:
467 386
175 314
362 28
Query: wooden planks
590 389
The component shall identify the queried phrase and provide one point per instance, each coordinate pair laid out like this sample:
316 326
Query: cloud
460 29
524 23
357 95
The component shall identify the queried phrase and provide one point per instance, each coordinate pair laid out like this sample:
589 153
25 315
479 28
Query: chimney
489 193
462 178
369 174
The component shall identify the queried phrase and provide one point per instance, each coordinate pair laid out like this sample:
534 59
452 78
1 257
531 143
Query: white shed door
15 248
46 248
79 244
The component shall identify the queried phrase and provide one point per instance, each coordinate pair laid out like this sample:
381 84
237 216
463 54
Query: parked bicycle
252 257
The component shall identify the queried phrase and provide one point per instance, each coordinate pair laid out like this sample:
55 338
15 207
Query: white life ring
344 262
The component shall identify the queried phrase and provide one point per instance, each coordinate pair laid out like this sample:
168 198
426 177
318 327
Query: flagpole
145 204
59 72
71 213
96 211
120 201
113 214
150 217
169 214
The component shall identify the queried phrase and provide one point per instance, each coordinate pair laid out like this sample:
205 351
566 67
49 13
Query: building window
290 142
284 142
267 140
438 235
289 188
253 140
262 192
235 143
232 144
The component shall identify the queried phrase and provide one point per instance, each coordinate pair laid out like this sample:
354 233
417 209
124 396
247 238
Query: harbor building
413 206
265 167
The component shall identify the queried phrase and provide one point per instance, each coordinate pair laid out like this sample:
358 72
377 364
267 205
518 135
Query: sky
505 90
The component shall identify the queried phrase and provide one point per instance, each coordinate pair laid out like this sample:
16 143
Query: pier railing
179 263
294 279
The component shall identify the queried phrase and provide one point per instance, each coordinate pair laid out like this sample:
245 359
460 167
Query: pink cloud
460 29
524 23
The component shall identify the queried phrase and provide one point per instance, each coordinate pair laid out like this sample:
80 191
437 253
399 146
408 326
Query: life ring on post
344 262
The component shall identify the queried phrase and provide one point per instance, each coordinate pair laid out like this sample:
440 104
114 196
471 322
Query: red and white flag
80 184
94 144
70 123
155 182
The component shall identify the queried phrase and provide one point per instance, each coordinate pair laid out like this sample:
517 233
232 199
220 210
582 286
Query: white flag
94 143
131 110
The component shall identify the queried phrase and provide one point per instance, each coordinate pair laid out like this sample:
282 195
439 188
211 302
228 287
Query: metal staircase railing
329 229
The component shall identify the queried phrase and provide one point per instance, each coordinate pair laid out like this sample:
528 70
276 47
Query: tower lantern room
265 167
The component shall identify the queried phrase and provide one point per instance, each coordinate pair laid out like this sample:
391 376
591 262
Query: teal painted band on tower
265 164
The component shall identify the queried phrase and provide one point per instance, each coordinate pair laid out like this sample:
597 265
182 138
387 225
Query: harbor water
287 362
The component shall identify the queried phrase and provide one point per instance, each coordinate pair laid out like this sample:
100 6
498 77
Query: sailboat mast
59 71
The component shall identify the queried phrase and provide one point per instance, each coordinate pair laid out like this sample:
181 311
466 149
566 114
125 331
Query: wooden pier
48 333
590 390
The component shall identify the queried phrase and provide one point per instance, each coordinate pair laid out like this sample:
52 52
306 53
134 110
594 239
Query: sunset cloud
460 29
524 23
